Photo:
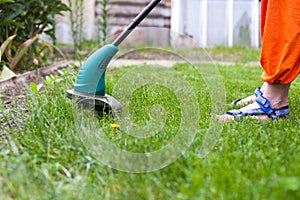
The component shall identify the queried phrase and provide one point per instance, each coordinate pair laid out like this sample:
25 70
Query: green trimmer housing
90 85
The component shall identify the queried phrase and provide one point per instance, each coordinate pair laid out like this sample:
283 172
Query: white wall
217 22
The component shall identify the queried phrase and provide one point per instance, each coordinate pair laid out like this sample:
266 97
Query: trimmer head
106 103
90 89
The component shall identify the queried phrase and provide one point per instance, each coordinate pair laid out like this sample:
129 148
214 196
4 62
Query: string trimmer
90 84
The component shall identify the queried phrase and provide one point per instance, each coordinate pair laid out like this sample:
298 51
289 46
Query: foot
277 94
250 99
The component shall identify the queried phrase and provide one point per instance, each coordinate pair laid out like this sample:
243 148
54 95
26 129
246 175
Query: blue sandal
235 102
264 109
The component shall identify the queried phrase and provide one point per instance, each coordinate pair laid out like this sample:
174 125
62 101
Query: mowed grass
43 157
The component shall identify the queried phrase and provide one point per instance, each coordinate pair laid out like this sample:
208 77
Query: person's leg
280 56
280 33
277 94
250 99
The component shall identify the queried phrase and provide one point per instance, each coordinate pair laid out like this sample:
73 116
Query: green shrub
27 19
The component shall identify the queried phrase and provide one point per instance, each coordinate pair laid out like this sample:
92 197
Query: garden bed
14 87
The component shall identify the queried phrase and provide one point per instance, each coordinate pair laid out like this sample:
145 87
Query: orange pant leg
280 33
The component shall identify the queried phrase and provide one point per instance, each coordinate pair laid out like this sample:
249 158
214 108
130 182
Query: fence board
122 12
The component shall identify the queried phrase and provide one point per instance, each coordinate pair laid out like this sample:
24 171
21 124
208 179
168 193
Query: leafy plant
26 19
30 16
6 44
22 51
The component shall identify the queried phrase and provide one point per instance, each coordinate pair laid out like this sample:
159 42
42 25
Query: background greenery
25 20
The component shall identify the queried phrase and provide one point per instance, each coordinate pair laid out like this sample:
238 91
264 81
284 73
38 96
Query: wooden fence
121 12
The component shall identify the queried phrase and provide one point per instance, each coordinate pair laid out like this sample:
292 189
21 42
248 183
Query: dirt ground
13 93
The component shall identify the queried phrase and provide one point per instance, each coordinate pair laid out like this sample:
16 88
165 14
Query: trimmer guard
106 103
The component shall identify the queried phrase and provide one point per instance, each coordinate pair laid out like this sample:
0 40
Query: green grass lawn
42 156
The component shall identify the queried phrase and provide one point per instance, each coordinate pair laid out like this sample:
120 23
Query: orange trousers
280 34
